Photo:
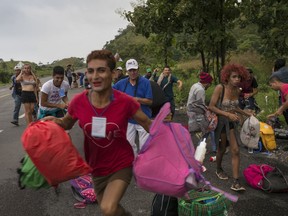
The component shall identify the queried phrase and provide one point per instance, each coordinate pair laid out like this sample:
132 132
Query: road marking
22 116
1 131
4 95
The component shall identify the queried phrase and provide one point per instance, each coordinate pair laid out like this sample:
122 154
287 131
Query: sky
48 30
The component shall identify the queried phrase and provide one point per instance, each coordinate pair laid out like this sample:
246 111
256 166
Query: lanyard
105 109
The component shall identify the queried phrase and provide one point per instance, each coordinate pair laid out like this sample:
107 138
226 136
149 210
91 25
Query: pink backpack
254 174
166 160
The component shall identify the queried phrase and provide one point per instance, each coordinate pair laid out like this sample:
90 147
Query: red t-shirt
284 92
110 154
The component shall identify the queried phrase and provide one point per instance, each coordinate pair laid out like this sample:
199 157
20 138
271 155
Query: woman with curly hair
224 102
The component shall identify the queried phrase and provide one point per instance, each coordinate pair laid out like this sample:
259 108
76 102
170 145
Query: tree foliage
157 18
271 17
129 45
207 29
201 27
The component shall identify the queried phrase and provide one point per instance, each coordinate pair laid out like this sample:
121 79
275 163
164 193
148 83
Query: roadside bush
5 77
268 102
264 87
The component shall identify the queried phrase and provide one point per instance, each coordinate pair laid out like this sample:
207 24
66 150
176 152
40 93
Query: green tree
157 17
203 27
271 17
207 27
129 45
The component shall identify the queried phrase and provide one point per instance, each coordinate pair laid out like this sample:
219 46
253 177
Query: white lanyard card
98 127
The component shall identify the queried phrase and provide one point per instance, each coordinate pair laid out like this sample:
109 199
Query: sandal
236 186
222 175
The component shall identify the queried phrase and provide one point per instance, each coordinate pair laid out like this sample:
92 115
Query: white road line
22 116
1 131
2 96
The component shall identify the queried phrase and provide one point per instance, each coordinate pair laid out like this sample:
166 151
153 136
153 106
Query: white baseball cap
119 68
131 64
17 67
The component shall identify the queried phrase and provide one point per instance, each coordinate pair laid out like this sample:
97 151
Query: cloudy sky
48 30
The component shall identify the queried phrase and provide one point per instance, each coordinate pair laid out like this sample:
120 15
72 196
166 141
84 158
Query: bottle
212 159
201 151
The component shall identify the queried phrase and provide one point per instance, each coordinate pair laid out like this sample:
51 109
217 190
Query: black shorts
28 97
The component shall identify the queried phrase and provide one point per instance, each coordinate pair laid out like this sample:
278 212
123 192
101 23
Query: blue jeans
213 144
81 80
17 102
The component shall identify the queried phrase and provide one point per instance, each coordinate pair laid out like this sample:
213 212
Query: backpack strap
156 124
185 146
165 110
222 95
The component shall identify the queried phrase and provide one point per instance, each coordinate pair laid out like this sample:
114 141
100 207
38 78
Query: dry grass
261 67
194 64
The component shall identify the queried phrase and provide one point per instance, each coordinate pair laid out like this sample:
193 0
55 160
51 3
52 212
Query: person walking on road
119 75
140 89
196 98
103 114
81 76
16 94
166 81
29 86
68 74
224 102
54 99
148 74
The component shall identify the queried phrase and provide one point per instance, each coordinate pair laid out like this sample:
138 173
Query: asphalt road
16 202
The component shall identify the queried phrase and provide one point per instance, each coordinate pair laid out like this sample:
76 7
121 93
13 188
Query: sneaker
236 186
222 175
15 123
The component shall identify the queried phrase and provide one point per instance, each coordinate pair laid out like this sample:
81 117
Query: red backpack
52 152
